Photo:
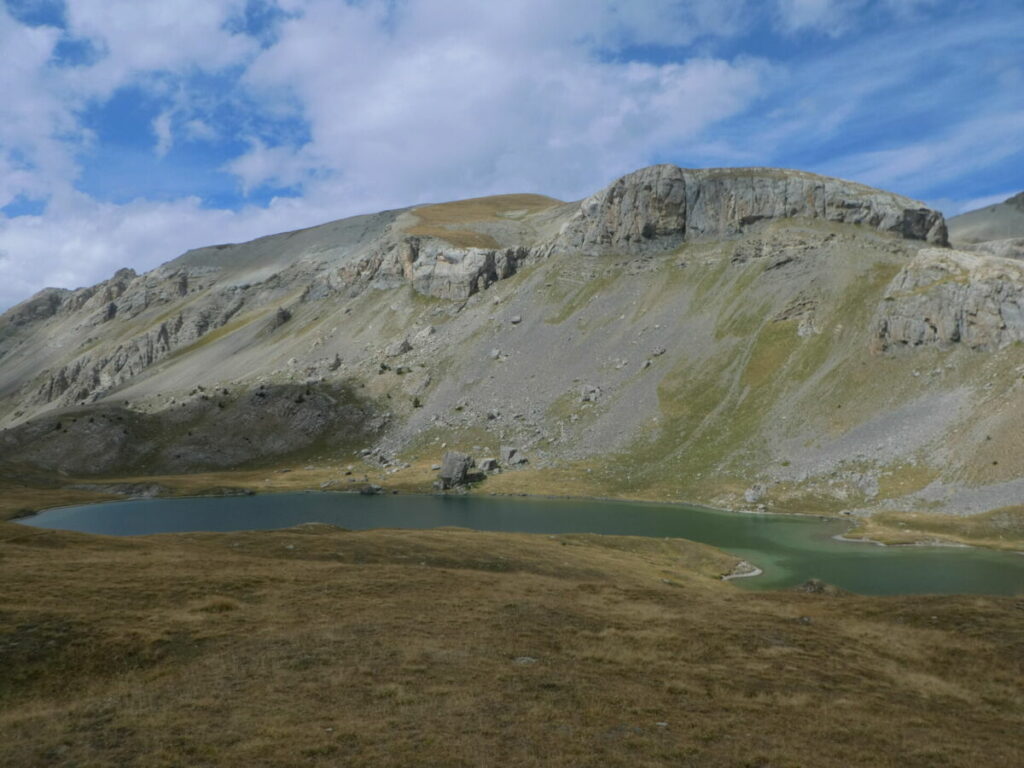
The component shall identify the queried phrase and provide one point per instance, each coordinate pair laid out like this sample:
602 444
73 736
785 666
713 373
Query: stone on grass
511 456
455 467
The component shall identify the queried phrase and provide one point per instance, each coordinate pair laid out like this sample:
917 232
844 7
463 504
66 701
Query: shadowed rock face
212 429
657 208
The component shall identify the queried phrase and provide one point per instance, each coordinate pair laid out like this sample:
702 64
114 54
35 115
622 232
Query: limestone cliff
953 297
662 206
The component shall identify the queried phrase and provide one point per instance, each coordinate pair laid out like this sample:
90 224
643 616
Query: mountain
994 222
734 337
997 229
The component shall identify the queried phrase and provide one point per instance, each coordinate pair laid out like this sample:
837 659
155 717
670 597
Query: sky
133 130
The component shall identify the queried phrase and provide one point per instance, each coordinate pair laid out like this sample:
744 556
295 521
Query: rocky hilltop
994 222
996 230
737 337
663 206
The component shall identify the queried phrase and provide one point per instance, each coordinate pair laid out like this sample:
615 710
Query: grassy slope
452 222
317 647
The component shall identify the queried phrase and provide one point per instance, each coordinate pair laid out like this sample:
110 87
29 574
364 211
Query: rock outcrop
437 269
1010 248
951 297
659 207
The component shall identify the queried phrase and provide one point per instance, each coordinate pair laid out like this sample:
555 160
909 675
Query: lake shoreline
230 484
789 548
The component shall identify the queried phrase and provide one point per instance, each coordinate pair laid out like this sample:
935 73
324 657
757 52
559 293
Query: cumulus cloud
80 241
393 103
468 100
138 38
317 109
38 129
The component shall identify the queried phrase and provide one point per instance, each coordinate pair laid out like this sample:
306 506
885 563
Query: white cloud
80 241
829 16
200 130
974 144
38 130
838 17
162 130
403 102
135 38
373 104
452 99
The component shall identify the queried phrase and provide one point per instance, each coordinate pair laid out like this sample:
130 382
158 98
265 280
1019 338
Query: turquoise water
789 549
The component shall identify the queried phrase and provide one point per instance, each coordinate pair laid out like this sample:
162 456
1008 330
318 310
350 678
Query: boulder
511 456
754 494
455 468
488 465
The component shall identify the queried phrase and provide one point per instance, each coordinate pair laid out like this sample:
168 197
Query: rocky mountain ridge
1002 223
730 336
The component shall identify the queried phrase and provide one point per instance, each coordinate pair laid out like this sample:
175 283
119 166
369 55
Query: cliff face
662 206
734 337
951 297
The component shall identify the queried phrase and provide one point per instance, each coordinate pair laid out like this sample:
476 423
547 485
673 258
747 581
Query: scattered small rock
398 348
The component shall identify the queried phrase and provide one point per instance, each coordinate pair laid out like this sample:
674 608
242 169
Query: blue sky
133 130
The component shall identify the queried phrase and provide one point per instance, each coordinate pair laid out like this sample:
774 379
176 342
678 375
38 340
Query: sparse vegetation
319 647
448 221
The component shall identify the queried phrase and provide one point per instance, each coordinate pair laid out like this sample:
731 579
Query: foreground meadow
320 647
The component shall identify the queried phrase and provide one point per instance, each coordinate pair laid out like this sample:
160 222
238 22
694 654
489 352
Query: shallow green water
790 550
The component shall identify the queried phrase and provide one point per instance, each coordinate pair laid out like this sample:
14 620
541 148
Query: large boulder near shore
455 468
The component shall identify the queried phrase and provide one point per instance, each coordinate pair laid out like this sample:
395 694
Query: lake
789 549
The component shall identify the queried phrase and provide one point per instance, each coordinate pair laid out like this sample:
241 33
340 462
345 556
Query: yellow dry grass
448 221
318 647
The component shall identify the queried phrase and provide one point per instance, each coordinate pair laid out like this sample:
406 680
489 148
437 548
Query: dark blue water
790 549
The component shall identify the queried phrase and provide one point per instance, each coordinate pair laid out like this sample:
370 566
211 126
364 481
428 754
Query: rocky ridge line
662 206
653 209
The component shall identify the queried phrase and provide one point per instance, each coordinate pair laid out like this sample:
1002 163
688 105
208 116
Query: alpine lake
788 549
